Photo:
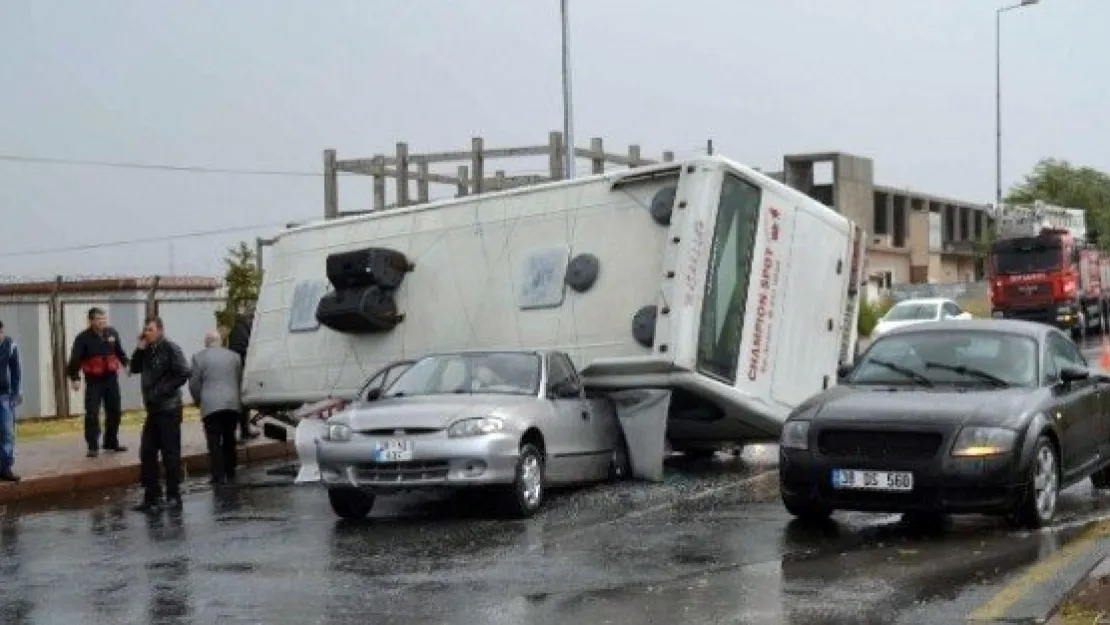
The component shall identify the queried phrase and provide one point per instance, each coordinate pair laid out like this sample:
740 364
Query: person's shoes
174 504
119 449
148 507
92 453
8 476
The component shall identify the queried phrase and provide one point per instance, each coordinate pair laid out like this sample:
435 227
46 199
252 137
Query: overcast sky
268 84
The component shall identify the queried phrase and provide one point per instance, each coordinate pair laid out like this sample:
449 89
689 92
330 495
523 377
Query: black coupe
978 416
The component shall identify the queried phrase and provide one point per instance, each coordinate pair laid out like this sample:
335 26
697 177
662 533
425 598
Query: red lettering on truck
765 299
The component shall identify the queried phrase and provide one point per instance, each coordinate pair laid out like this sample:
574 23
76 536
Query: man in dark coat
98 354
164 370
238 339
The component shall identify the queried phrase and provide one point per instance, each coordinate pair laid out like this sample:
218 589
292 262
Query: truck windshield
1028 255
726 283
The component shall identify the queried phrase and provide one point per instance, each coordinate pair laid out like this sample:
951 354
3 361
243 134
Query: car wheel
350 503
807 511
1037 506
620 464
1101 479
526 494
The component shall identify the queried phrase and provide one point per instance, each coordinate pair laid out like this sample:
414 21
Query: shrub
870 313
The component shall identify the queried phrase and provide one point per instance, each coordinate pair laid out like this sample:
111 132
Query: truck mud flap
304 440
643 417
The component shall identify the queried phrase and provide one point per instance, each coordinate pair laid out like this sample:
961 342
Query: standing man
238 339
98 354
214 385
10 398
164 371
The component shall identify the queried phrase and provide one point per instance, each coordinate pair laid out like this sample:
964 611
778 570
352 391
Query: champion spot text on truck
98 355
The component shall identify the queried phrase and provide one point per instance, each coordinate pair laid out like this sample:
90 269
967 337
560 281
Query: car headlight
976 442
475 427
338 432
795 435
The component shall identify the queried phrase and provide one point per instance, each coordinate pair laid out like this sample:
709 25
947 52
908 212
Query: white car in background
911 311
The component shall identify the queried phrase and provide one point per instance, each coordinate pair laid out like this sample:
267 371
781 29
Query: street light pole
568 116
998 97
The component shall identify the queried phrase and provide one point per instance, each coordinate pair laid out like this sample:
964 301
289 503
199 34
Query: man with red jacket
98 355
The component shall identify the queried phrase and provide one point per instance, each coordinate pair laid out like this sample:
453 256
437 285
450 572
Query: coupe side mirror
374 394
1074 374
565 390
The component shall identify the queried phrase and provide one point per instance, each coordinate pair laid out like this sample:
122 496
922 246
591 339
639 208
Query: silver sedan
518 421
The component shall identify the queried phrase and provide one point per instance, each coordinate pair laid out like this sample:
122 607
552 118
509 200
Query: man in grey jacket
214 385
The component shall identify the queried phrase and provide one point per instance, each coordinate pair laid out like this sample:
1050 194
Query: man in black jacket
98 354
164 371
238 339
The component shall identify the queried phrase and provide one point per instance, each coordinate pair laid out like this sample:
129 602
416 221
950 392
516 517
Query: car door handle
586 414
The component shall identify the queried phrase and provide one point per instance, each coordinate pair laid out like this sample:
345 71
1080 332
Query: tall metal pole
998 96
568 115
998 109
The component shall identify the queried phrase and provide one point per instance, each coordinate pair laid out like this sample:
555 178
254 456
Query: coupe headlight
976 442
795 435
475 427
338 432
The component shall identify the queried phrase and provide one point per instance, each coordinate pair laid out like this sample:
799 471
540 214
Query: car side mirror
565 390
843 370
1074 374
374 394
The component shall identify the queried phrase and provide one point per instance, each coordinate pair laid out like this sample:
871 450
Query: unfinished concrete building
915 237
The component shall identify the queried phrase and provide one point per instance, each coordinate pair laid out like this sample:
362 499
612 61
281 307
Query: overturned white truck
706 298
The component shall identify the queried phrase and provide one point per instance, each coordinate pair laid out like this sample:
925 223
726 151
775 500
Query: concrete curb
128 474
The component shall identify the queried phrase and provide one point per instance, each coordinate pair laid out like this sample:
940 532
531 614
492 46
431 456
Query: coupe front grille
872 445
400 472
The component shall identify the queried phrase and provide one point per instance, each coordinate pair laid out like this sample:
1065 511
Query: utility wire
15 158
170 237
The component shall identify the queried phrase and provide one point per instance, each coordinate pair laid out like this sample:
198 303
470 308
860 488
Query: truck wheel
1101 479
807 511
1037 505
525 496
350 503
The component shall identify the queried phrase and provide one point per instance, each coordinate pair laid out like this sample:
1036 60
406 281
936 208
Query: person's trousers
219 432
244 423
161 436
7 434
102 391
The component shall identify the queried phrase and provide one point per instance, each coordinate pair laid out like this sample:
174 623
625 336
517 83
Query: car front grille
873 445
400 472
399 431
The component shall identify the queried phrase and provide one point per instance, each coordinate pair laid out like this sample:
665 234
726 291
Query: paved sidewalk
57 465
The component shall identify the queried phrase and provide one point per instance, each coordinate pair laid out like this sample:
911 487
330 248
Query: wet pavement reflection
712 544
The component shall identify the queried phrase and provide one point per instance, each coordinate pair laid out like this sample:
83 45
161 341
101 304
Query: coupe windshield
506 373
1026 255
910 311
957 357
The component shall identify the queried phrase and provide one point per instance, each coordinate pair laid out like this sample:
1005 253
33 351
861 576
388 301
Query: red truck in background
1041 268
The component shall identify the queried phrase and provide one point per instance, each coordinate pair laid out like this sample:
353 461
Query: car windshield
955 357
506 373
912 311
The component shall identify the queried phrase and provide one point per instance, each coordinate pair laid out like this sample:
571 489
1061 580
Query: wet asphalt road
711 544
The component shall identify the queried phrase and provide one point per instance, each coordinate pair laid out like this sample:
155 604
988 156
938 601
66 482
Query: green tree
243 280
1059 182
